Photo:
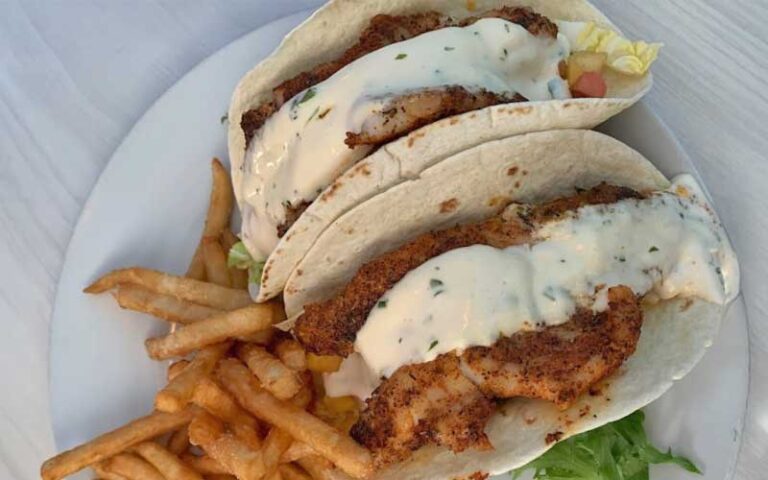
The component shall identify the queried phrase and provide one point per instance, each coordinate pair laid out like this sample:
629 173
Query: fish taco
366 94
510 297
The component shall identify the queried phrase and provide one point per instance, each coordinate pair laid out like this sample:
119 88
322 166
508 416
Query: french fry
323 363
176 368
103 474
116 441
263 337
320 468
274 475
296 451
228 239
292 354
179 441
239 278
194 291
164 307
204 429
304 397
235 456
221 201
301 425
168 464
318 384
196 269
204 464
280 380
131 467
213 330
220 404
215 262
176 395
276 443
290 471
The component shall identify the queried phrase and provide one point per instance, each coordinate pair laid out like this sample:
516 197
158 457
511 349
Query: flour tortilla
335 27
467 187
675 334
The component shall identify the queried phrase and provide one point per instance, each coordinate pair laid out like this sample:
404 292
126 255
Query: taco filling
403 73
543 301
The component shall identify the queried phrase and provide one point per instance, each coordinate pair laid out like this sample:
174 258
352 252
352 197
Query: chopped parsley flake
653 249
506 27
381 304
401 56
400 340
438 293
224 118
449 49
434 283
432 345
549 293
308 95
314 112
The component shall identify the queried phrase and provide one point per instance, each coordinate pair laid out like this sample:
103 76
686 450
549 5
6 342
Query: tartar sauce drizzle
669 245
301 149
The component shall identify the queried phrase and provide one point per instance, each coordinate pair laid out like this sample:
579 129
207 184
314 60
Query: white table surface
76 75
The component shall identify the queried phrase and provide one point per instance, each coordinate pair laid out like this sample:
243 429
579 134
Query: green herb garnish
449 49
240 258
653 249
308 95
434 283
432 345
381 304
617 451
224 118
401 56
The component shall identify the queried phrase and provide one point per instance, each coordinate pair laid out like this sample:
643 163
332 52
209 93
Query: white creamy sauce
354 377
668 245
300 149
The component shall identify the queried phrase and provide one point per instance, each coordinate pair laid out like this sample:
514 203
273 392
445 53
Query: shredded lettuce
240 258
617 451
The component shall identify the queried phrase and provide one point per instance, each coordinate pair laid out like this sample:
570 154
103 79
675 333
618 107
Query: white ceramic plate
147 209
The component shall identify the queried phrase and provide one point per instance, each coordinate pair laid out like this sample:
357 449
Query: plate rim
295 19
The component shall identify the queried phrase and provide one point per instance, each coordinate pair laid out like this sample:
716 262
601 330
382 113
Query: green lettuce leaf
240 258
617 451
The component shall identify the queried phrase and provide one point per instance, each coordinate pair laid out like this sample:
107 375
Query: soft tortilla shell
468 187
675 336
410 155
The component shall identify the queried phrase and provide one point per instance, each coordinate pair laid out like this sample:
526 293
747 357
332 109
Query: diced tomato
589 84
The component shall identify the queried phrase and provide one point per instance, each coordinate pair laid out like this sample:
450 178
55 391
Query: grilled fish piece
330 327
449 400
409 112
384 30
427 403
